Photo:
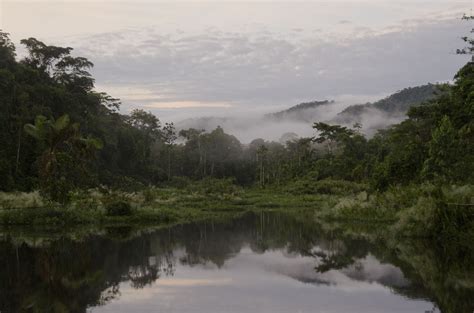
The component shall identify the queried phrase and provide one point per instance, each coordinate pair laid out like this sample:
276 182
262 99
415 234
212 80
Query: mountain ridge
297 112
396 104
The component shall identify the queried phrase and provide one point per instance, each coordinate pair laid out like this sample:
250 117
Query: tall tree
169 137
63 148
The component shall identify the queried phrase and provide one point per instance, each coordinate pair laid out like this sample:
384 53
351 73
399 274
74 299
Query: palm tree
62 141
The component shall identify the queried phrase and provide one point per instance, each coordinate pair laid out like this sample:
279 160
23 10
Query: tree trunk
200 156
169 163
17 164
204 168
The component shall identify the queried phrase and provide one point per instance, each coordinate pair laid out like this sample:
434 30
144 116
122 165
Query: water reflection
257 263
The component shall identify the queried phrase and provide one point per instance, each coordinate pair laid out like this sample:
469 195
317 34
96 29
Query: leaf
91 142
61 123
32 131
96 143
40 121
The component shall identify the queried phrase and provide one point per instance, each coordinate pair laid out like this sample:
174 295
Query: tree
261 156
331 134
290 136
145 121
149 127
221 153
63 147
193 151
73 73
169 138
442 151
469 49
42 56
7 51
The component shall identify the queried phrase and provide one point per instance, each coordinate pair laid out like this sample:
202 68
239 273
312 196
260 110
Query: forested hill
396 104
299 112
373 116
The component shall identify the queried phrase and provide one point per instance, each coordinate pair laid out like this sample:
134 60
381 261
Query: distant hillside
396 104
301 112
298 119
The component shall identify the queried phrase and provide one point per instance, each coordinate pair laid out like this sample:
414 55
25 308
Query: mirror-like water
257 263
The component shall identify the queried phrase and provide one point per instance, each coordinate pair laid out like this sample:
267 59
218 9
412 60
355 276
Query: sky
185 59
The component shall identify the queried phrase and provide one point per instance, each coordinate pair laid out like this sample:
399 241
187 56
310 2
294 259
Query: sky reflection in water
257 263
272 281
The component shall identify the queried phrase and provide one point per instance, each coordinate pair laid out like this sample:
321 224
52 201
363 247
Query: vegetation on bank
104 206
426 210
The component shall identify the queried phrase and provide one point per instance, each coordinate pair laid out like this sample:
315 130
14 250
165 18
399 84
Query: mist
257 123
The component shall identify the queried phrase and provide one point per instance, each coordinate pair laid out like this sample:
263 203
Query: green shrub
18 200
358 208
438 212
326 186
86 200
149 194
215 186
179 182
118 208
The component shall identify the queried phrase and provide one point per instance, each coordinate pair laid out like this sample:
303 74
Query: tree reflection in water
67 275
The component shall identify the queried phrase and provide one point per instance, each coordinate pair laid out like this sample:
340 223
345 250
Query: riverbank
416 211
150 206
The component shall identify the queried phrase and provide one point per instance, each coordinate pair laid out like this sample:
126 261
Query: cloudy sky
192 58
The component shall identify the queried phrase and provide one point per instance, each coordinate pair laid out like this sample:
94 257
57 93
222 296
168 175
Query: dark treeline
59 133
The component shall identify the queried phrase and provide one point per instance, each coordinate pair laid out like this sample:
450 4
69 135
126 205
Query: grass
18 200
417 210
150 206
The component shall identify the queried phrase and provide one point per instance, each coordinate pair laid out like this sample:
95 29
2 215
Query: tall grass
325 186
20 200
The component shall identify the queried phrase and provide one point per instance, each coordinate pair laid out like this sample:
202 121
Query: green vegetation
398 103
299 111
94 165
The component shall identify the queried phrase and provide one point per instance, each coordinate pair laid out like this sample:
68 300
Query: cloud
186 104
241 61
260 69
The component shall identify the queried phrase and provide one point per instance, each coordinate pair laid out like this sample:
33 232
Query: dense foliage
70 125
399 102
299 111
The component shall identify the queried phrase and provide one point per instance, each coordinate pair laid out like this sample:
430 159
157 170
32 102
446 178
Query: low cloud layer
247 127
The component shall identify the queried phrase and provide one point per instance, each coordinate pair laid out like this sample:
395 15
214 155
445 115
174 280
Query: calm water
257 263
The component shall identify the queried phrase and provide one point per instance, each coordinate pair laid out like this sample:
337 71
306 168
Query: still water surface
257 263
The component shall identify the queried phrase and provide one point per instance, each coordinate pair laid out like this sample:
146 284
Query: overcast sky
192 58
